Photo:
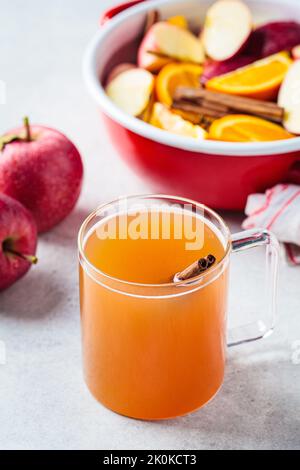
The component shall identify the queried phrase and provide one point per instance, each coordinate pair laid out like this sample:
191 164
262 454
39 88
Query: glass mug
156 350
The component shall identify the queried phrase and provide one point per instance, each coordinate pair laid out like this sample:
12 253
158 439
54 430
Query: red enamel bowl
219 174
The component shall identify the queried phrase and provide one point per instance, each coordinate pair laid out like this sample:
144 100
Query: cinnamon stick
231 103
196 268
194 118
215 106
198 109
151 19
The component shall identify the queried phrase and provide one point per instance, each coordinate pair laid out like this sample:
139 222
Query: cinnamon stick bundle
151 18
196 268
217 105
200 109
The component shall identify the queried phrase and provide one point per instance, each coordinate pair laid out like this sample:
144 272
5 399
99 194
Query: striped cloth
278 210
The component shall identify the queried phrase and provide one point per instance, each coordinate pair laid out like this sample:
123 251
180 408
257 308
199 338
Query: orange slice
188 115
178 20
243 128
164 119
260 80
175 75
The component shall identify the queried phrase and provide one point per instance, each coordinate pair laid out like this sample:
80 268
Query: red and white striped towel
278 210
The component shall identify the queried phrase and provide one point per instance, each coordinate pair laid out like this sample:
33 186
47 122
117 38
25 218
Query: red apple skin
213 68
17 223
274 37
45 175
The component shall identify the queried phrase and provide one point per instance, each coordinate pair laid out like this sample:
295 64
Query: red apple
227 28
18 240
213 68
42 169
275 37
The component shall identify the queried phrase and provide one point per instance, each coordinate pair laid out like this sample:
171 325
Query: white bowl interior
117 41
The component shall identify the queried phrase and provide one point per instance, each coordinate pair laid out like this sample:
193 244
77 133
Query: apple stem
30 258
27 128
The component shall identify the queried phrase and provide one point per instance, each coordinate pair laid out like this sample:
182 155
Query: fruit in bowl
228 26
229 57
275 37
163 118
131 89
289 98
296 52
261 79
165 42
214 68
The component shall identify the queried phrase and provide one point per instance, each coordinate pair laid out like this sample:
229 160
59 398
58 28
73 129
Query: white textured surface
44 403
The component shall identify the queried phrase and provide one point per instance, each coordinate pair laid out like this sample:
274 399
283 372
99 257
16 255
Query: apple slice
165 41
164 119
147 58
296 52
289 98
118 70
228 26
131 90
151 61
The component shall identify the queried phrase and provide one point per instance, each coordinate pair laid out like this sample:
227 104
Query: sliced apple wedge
131 90
147 57
118 70
164 119
228 26
165 41
151 61
296 53
289 98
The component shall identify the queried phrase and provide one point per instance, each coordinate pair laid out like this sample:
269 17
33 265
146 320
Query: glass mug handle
262 328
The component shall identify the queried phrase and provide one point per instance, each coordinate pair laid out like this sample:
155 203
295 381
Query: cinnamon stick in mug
196 268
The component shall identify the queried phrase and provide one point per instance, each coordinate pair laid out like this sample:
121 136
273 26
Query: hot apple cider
153 348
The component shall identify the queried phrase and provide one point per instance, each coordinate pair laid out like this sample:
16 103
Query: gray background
44 403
